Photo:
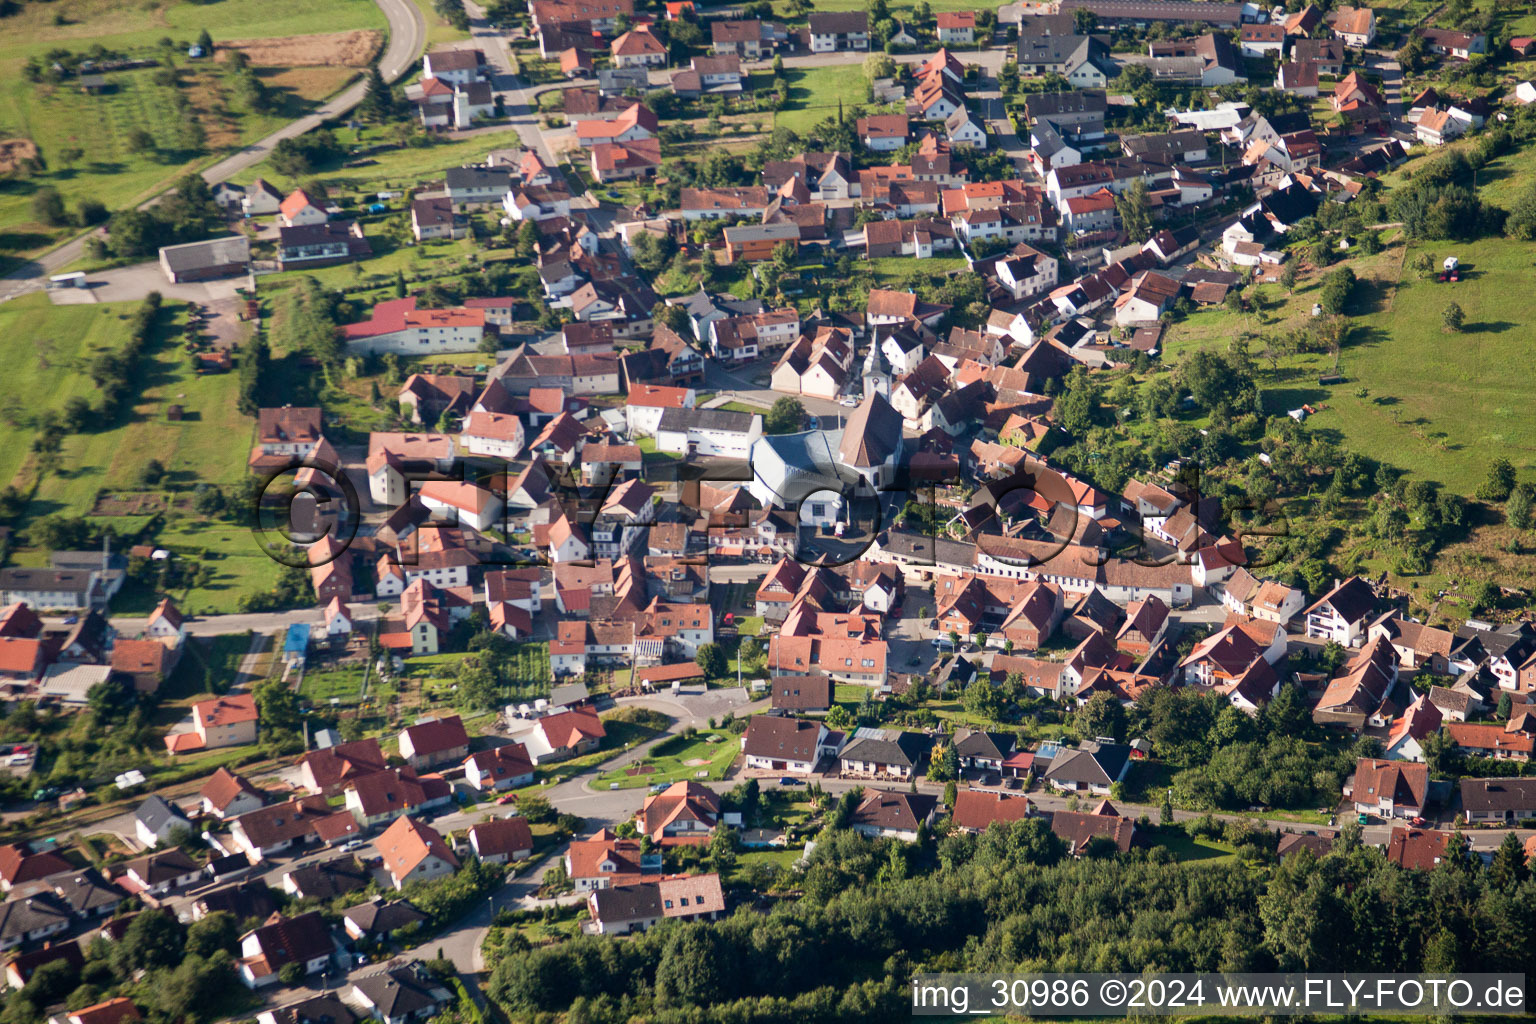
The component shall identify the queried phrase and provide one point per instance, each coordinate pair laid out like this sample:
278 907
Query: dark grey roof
402 991
215 252
927 549
834 22
706 419
1352 600
568 693
86 891
316 234
477 177
1498 795
628 902
328 879
887 746
161 867
155 814
21 916
1058 104
72 580
242 900
380 918
1060 49
316 1010
977 743
872 434
619 79
1096 763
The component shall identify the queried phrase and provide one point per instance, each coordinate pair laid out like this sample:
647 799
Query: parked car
510 798
353 844
1014 783
789 780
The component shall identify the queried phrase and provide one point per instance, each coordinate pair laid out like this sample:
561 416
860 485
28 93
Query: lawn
1437 404
438 30
208 665
342 684
677 759
43 347
1187 849
814 95
240 566
393 169
445 256
621 736
1445 405
207 445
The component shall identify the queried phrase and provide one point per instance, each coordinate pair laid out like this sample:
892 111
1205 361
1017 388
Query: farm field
122 26
58 117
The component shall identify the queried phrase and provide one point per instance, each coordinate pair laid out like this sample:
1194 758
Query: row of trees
112 373
186 214
1011 900
177 972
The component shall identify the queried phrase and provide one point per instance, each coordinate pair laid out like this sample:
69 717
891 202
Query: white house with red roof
301 208
634 124
562 735
338 618
165 623
397 326
412 851
439 741
465 503
505 767
501 840
494 434
647 403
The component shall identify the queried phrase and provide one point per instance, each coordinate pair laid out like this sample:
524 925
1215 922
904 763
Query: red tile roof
230 709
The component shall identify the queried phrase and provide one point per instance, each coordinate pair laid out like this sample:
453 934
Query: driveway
131 284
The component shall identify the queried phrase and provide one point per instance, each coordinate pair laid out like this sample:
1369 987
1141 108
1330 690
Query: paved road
520 98
407 36
224 625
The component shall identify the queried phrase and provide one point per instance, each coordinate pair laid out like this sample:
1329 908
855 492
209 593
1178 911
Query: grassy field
396 169
1440 405
676 760
125 26
438 30
42 348
343 684
239 564
814 94
208 665
206 446
1188 849
56 117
